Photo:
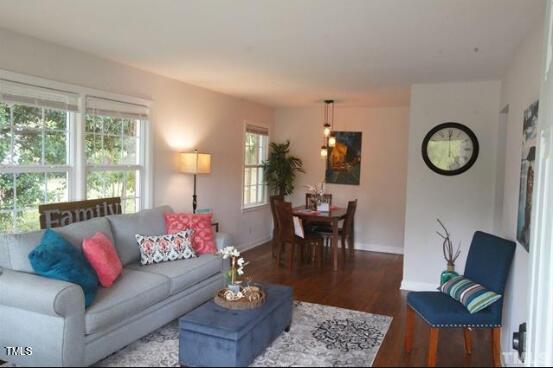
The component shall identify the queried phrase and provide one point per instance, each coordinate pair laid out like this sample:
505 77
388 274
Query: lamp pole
194 197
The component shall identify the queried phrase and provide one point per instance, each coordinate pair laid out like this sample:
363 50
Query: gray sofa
49 315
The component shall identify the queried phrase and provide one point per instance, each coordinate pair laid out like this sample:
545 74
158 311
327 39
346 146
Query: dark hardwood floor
370 282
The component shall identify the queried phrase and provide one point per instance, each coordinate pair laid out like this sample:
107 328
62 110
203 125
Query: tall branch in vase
450 255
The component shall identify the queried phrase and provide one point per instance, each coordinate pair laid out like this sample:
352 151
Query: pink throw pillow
103 257
203 240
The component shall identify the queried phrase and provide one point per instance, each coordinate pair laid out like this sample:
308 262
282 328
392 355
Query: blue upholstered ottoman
212 336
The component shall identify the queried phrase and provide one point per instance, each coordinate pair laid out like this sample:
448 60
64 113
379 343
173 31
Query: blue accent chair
488 263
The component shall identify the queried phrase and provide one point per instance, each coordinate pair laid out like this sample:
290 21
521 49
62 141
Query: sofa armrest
39 294
223 240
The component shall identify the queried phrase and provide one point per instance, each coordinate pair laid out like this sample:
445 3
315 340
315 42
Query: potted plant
281 169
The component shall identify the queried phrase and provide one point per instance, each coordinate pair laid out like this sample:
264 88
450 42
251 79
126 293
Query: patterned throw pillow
473 296
203 240
164 248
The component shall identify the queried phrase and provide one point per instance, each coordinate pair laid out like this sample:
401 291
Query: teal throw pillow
55 258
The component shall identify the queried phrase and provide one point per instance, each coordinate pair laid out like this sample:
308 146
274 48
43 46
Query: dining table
332 217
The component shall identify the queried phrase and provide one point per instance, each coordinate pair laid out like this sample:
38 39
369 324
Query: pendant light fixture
328 128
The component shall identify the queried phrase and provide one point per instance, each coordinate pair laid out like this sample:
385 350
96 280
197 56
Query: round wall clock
450 149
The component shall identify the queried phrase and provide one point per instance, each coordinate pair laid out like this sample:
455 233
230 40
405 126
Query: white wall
381 193
520 88
465 203
184 117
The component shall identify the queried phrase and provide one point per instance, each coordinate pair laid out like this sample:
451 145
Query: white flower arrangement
237 263
317 189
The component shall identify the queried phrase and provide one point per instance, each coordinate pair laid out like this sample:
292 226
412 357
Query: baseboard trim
417 286
379 248
254 244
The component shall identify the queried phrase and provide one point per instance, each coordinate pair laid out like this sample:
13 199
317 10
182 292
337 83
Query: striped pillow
473 296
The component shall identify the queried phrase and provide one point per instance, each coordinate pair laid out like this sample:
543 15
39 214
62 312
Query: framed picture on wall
343 164
529 140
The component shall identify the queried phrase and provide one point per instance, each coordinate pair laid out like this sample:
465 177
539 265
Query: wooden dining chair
288 237
310 196
348 229
346 232
272 201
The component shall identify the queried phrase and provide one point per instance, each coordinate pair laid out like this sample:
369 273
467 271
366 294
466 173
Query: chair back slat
489 261
272 200
285 219
350 216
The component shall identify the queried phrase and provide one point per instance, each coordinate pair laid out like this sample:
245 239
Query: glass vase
448 274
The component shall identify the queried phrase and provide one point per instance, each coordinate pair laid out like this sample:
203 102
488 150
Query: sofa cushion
125 227
133 292
15 249
185 273
77 232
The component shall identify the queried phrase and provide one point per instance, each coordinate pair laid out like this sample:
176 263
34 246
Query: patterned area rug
320 336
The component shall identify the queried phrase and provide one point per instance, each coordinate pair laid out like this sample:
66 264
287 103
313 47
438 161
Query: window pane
113 184
27 148
27 219
260 193
4 116
112 125
5 146
112 150
93 149
130 205
6 191
56 183
55 119
55 148
130 189
93 124
27 117
246 195
253 177
94 185
6 222
130 128
130 152
247 175
30 189
253 194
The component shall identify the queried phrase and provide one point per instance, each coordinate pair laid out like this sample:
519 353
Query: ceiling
291 52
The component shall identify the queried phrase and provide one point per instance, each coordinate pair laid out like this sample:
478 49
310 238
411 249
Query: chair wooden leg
409 327
468 340
291 257
433 347
496 346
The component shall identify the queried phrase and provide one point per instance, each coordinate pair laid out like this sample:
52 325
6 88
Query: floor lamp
195 163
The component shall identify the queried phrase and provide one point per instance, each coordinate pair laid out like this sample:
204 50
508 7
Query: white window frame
253 207
77 165
140 166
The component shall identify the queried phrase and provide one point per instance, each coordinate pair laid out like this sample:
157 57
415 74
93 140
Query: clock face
450 149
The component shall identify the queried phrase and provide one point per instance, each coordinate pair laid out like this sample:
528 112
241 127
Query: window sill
254 208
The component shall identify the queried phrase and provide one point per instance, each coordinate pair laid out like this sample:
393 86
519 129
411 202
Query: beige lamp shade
195 163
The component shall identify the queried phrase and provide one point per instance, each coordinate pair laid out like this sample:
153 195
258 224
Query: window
34 152
51 151
113 150
256 146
